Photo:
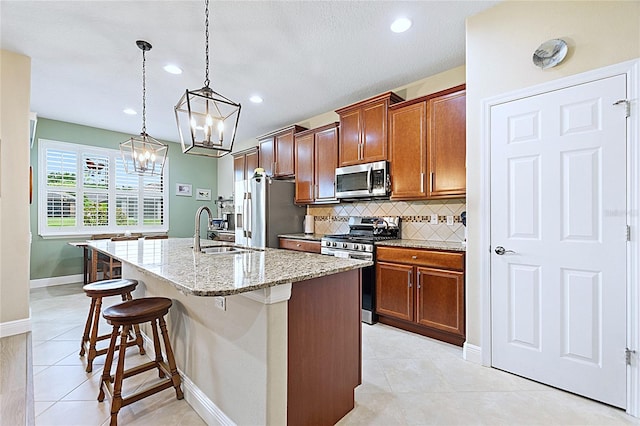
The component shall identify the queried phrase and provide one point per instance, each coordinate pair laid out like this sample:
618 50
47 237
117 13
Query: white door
558 208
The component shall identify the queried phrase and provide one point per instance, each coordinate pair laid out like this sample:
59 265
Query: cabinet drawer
432 258
300 245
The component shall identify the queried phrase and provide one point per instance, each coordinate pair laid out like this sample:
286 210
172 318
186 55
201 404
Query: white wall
500 44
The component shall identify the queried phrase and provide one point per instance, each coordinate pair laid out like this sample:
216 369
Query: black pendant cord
206 48
144 93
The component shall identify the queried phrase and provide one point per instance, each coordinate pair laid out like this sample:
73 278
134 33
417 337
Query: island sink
221 249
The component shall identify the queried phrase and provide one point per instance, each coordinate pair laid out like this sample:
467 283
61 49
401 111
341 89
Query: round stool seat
107 288
137 311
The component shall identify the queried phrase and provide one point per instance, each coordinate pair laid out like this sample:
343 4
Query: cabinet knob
298 245
414 257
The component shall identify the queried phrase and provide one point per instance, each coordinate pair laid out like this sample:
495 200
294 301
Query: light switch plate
434 219
449 220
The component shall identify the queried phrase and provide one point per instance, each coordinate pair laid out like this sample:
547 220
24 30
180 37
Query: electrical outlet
220 302
449 220
434 219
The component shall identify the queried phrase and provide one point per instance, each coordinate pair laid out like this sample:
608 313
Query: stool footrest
166 384
139 369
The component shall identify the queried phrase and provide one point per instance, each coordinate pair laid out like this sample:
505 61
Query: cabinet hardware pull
409 279
419 287
414 257
422 182
431 182
297 245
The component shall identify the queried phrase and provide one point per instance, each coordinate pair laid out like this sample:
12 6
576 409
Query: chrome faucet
196 236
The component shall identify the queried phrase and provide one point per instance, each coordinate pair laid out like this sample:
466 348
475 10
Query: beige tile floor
407 380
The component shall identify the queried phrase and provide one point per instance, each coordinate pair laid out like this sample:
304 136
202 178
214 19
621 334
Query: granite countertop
301 236
200 274
424 244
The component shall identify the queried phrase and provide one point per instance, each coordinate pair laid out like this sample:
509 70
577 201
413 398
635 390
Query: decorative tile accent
415 217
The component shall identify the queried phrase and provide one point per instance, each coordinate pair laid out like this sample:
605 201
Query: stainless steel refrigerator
264 209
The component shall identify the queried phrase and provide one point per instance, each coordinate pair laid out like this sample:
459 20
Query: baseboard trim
202 405
472 353
49 282
12 328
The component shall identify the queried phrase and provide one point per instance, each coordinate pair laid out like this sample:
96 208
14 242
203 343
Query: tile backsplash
415 217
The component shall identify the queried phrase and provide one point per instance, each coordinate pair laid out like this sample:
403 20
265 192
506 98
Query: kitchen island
260 337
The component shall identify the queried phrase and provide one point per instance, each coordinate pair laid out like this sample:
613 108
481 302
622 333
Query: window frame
80 229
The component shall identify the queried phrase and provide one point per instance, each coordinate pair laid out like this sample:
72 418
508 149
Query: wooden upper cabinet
363 130
350 137
316 159
267 149
284 155
276 152
408 150
427 146
251 162
244 163
326 161
305 181
447 145
238 167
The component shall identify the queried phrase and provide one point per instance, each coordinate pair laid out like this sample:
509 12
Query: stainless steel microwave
363 180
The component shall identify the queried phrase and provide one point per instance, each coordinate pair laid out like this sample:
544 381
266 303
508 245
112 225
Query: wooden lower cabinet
309 246
422 291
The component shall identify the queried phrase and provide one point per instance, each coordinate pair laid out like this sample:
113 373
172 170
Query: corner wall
500 44
16 377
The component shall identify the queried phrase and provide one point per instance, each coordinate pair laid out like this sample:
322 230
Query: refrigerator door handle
248 215
244 215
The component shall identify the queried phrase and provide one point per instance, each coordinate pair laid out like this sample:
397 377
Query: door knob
501 250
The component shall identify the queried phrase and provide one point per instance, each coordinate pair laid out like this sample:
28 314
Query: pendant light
143 155
207 121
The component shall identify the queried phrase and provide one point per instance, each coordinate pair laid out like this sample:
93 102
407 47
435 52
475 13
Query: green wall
53 257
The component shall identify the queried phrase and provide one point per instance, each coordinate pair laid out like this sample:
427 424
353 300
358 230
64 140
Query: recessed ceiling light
401 25
173 69
256 99
129 111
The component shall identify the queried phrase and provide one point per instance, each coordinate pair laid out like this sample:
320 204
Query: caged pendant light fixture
207 121
143 155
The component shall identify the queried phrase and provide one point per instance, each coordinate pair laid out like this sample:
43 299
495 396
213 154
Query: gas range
363 233
359 244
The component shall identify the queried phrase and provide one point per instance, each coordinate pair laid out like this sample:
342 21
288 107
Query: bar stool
126 315
96 291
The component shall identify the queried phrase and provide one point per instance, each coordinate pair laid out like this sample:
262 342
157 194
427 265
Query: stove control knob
344 245
356 247
334 244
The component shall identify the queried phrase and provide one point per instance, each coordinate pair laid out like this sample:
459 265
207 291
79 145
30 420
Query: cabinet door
394 290
326 154
447 145
350 129
440 299
304 169
250 164
284 158
408 151
267 155
374 132
239 168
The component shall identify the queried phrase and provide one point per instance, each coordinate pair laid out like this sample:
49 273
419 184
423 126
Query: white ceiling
303 57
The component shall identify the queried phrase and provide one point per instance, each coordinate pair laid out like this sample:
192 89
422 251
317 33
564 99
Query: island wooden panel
324 349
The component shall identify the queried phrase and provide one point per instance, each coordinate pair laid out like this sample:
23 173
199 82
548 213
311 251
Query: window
85 190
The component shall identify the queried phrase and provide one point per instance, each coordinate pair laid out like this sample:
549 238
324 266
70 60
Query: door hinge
627 106
628 233
627 355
